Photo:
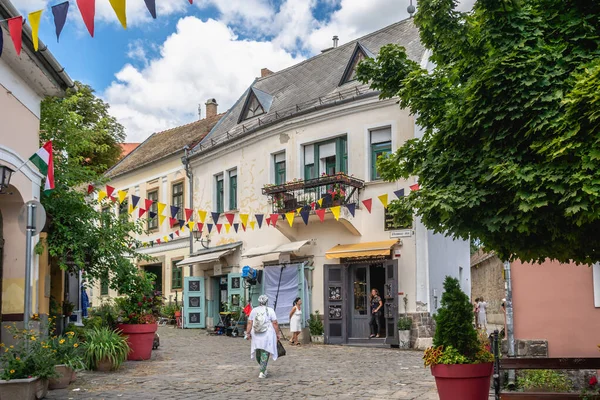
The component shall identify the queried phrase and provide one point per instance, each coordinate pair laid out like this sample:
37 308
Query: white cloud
200 60
246 15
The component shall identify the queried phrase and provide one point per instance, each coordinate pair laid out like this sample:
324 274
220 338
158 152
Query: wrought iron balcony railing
334 190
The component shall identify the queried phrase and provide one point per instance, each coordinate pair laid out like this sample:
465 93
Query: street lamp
5 174
198 237
411 9
185 160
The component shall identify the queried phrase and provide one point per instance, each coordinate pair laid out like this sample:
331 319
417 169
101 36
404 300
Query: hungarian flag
44 161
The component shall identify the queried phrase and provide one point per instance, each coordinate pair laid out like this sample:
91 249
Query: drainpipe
188 172
510 332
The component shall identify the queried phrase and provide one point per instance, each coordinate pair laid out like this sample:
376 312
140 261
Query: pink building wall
555 302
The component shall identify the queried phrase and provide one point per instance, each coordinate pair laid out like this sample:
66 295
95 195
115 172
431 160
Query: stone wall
487 281
423 328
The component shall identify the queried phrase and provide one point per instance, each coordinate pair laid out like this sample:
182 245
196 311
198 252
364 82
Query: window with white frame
279 168
326 158
381 143
233 189
219 193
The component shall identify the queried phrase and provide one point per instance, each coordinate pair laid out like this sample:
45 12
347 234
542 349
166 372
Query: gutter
44 58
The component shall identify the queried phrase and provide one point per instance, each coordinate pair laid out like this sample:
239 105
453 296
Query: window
279 162
359 54
176 276
381 143
104 286
309 162
329 157
253 107
153 222
233 189
177 198
219 195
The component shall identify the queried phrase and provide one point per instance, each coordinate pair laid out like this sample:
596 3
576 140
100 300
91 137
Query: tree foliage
510 152
86 142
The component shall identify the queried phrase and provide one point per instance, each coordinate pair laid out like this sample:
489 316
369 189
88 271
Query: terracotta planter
24 389
140 339
73 375
104 365
64 377
460 382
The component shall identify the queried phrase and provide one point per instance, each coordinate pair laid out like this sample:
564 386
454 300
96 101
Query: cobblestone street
192 365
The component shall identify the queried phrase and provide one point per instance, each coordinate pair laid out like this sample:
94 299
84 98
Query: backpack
260 320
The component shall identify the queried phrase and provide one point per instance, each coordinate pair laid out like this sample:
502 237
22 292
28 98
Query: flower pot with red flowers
138 314
460 359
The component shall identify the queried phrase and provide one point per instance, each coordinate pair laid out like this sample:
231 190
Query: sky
156 73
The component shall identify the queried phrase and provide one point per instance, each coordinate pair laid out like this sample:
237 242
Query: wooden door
194 315
335 316
390 302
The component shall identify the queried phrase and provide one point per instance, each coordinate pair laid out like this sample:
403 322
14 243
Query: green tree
86 142
510 151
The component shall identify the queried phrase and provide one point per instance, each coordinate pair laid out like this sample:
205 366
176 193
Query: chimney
211 108
265 72
335 41
199 111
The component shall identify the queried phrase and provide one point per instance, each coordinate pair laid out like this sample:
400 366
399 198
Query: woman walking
482 318
376 306
296 321
264 331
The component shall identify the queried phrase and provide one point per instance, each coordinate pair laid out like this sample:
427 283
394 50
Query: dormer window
254 107
257 103
359 54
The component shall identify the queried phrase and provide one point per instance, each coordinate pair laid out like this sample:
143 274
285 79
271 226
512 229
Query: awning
204 258
367 249
272 249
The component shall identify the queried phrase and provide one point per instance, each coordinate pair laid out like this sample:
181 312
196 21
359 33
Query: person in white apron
264 331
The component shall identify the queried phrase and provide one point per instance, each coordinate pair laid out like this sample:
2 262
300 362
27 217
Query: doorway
363 278
156 269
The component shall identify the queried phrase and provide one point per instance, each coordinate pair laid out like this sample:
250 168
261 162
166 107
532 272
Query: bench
510 363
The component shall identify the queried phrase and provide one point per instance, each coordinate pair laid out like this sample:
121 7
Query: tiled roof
313 82
163 144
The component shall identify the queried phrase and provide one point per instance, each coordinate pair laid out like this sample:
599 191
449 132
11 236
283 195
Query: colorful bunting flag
244 227
161 207
415 187
173 221
320 202
165 239
177 233
305 214
113 199
230 217
34 20
87 8
191 225
15 27
209 227
259 219
148 204
227 227
161 219
218 227
321 213
268 220
142 212
174 211
199 226
101 195
244 219
215 216
383 199
151 5
109 190
298 210
183 229
90 189
274 218
290 217
181 223
188 214
201 215
120 6
135 200
368 203
351 208
59 12
399 193
313 205
171 236
236 226
336 212
252 224
152 214
157 241
122 195
131 208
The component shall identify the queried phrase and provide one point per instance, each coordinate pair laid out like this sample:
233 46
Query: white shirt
265 340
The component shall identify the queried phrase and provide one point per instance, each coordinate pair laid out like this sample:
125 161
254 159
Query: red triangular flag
414 187
148 204
87 8
177 233
191 1
109 190
230 218
368 204
199 226
188 214
113 199
15 27
90 189
268 221
244 227
173 221
274 218
219 227
158 241
321 213
313 205
142 211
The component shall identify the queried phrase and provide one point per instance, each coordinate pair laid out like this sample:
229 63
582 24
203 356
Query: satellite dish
39 217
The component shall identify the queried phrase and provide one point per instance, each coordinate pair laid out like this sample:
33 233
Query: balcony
335 190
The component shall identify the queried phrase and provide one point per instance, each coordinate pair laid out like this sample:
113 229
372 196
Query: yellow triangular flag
383 199
336 212
182 229
161 219
227 228
101 195
202 215
320 201
122 195
252 223
161 207
131 208
191 225
290 217
298 210
34 20
166 239
119 6
244 219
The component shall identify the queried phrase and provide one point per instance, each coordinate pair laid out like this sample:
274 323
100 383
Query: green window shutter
176 276
378 150
233 190
104 287
220 194
341 151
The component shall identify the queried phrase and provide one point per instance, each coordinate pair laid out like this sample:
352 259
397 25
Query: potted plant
104 349
404 326
68 354
25 366
68 308
315 325
460 361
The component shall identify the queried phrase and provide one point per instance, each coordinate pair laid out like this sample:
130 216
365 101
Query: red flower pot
463 381
140 339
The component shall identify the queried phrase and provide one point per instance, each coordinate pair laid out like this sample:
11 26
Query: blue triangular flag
181 223
152 243
135 200
171 236
209 227
282 216
305 214
215 216
259 219
236 227
174 211
151 4
60 17
152 214
399 193
352 208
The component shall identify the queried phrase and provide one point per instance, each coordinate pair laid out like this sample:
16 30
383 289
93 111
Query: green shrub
315 325
544 379
78 330
108 313
104 344
404 323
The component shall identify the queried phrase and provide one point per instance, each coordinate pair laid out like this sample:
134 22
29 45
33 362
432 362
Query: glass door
359 324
